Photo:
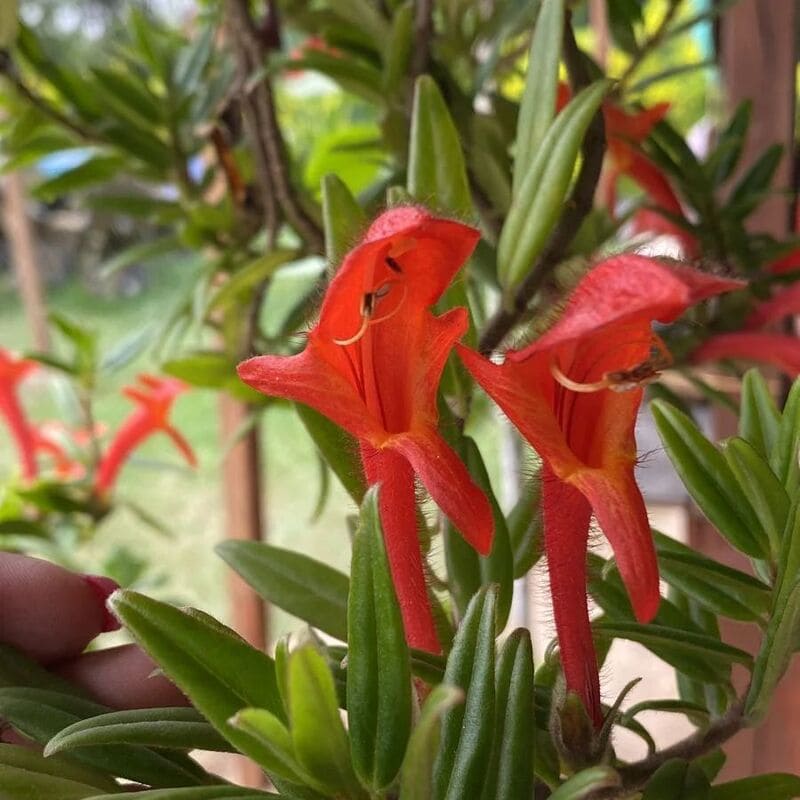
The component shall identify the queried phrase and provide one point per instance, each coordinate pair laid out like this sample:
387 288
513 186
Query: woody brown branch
264 133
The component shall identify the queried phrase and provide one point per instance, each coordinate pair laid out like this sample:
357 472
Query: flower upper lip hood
557 391
372 364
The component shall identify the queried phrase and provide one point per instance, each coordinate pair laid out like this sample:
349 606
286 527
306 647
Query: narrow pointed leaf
720 589
677 780
514 741
467 730
378 665
217 669
416 779
302 586
538 105
40 714
32 763
784 624
177 728
785 456
342 217
544 187
709 480
319 738
437 175
759 418
761 488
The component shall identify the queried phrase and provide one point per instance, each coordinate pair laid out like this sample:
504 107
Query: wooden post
757 42
22 250
244 519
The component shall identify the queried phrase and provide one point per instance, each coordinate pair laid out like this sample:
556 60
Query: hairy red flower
574 395
154 398
372 365
13 371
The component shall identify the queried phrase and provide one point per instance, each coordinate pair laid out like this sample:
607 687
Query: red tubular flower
12 371
557 391
625 132
372 365
154 397
781 350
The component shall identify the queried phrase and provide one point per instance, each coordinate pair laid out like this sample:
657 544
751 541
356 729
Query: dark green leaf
174 728
784 459
342 216
307 588
759 418
467 731
437 175
26 761
538 104
217 669
677 780
759 787
416 779
378 668
544 187
709 479
40 714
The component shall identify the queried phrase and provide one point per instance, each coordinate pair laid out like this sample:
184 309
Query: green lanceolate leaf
677 780
274 736
510 774
726 154
204 793
173 728
309 589
673 644
758 787
41 714
20 763
338 448
761 488
467 730
586 783
759 418
544 187
538 105
342 217
784 624
709 480
785 456
437 175
720 589
398 52
217 669
416 778
378 666
318 736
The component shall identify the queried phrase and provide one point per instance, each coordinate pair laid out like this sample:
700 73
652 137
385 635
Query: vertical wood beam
22 250
244 519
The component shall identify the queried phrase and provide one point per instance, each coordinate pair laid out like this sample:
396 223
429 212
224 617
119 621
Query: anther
393 265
